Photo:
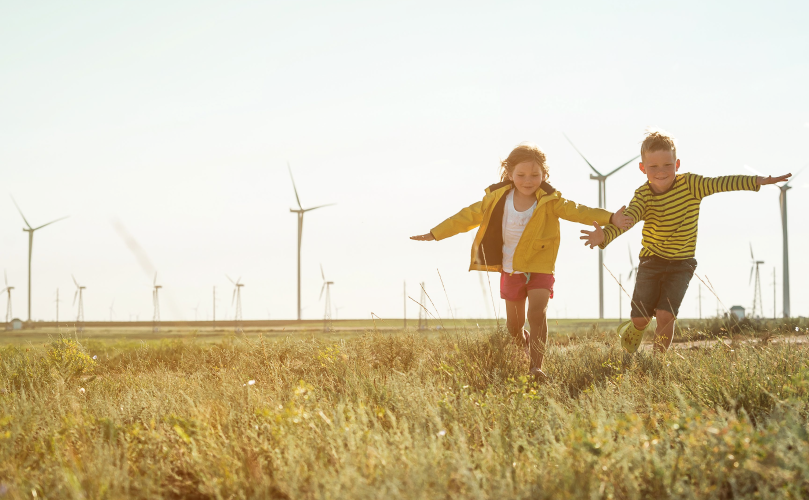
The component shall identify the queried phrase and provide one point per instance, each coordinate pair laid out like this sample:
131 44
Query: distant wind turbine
237 298
602 203
300 211
782 201
8 290
30 230
80 295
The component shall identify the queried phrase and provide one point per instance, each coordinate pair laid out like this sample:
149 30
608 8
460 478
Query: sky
177 120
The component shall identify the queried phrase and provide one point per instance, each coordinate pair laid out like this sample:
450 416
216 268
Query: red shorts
514 287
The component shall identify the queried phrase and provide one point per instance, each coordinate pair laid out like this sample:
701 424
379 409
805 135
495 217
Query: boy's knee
664 317
641 323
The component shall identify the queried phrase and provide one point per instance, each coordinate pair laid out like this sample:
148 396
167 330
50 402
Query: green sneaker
630 336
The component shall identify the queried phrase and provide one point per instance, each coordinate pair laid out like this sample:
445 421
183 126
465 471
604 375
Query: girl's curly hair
526 151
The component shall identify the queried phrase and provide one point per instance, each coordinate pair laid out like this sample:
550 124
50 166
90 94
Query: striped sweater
670 219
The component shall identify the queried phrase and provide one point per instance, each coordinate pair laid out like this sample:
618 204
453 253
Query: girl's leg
515 319
538 319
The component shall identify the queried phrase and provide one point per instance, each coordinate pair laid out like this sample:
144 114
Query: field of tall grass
386 415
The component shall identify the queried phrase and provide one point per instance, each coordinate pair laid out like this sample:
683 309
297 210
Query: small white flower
442 433
81 390
95 357
251 382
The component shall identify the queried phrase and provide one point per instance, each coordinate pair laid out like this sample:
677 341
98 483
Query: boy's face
661 168
527 177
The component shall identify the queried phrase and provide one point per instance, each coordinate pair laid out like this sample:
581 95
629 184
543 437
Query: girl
519 237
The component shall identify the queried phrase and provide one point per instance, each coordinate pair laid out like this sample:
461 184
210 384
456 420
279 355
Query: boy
669 206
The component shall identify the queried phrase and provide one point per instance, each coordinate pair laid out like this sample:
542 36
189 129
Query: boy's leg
644 298
673 287
538 319
665 330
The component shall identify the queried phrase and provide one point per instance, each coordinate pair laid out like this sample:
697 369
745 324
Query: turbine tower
300 211
80 295
757 301
8 290
782 202
327 326
30 230
156 303
602 203
237 298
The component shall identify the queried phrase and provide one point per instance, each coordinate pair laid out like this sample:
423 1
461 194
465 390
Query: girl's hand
423 237
623 222
763 181
593 238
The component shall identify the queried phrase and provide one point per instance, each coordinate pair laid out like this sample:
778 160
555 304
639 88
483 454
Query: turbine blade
321 292
321 273
51 222
751 276
793 177
74 297
228 277
74 280
18 209
751 252
319 206
294 188
239 281
630 274
622 166
234 297
577 150
748 167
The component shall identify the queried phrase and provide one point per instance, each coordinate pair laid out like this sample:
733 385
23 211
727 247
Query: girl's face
527 177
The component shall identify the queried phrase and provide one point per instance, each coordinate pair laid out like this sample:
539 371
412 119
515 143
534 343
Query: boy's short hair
657 140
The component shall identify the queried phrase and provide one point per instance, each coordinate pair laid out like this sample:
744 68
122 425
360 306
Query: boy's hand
621 221
593 238
763 181
423 237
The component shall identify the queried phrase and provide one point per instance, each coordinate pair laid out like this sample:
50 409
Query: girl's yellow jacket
537 249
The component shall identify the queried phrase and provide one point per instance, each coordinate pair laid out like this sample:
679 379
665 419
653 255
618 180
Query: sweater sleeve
701 186
636 210
467 219
574 212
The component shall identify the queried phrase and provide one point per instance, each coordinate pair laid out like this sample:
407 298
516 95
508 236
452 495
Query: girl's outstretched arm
423 237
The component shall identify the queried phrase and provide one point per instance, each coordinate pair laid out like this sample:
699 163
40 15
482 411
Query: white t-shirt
514 223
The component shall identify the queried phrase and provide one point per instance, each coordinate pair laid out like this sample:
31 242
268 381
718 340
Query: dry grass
401 416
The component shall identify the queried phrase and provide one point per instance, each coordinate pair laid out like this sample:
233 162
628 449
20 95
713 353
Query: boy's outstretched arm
423 237
701 186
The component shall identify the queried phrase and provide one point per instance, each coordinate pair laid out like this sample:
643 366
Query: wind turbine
80 295
8 290
156 302
195 310
327 327
237 297
300 211
112 309
782 202
30 232
602 203
757 301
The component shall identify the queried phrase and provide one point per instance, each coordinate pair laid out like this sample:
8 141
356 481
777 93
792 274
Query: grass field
381 414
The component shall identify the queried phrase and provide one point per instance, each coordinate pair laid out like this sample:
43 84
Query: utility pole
774 314
405 305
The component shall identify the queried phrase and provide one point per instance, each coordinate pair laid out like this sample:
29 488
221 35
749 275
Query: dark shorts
514 287
661 284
